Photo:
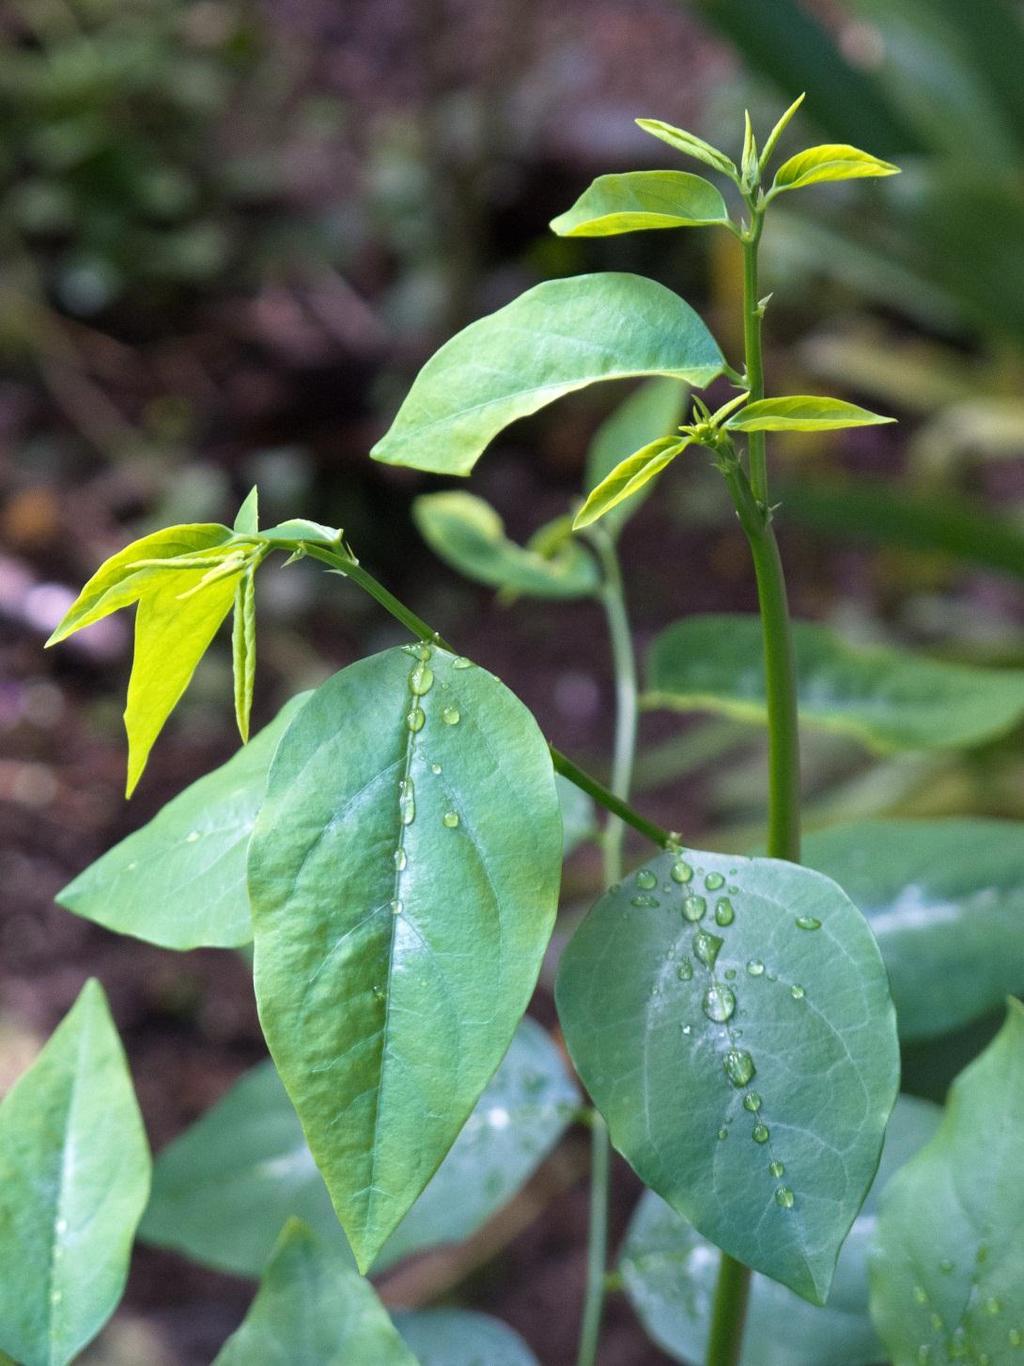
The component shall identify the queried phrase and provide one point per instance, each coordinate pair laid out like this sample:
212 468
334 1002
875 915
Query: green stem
752 349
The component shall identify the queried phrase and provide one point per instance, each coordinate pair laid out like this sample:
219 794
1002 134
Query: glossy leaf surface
653 409
945 900
74 1176
703 1000
670 1270
468 534
891 699
312 1309
180 880
555 338
689 144
947 1273
639 200
829 161
404 877
802 413
457 1337
629 477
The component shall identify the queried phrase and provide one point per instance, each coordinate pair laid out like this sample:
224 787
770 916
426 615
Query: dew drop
378 992
416 719
755 967
451 716
55 1297
752 1102
807 922
396 908
694 908
797 992
645 901
435 769
739 1066
421 680
686 1029
646 879
784 1197
191 837
777 1168
407 801
461 662
401 859
681 871
450 819
759 1133
685 970
723 1133
705 949
423 651
61 1226
724 912
713 881
719 1003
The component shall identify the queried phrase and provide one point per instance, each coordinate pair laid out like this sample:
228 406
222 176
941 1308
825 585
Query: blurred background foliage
231 231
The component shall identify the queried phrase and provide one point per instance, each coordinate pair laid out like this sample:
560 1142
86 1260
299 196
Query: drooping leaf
557 337
690 145
891 699
404 877
670 1270
180 880
468 534
703 1001
830 161
629 477
947 1269
639 200
459 1337
652 409
802 413
312 1309
224 1189
74 1176
945 900
243 649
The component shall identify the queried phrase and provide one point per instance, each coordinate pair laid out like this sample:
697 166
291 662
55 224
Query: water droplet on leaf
421 680
646 879
713 881
755 967
401 859
752 1102
416 719
739 1066
645 901
777 1168
191 837
450 819
681 871
461 662
724 912
685 970
784 1197
808 922
759 1133
451 716
719 1003
705 949
797 992
694 908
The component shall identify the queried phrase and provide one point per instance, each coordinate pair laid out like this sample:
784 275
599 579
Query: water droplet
777 1168
686 1029
191 837
759 1133
723 1133
705 949
1016 1337
421 680
55 1297
681 871
920 1294
435 769
685 970
719 1003
645 901
713 881
461 662
694 908
739 1066
752 1102
994 1305
784 1197
755 967
451 716
378 992
797 992
416 719
396 908
646 879
407 801
61 1226
724 912
450 819
807 922
401 859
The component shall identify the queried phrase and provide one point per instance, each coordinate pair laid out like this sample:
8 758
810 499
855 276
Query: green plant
392 843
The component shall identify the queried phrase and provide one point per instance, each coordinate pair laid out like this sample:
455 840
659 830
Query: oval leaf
457 1337
468 534
557 337
642 199
703 1001
947 1271
888 698
829 161
404 878
652 409
74 1176
670 1271
629 477
802 413
180 881
690 145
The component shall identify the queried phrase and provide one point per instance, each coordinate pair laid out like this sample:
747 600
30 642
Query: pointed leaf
890 699
947 1271
670 1271
830 161
557 337
629 477
457 1337
703 1001
749 167
778 130
312 1309
247 518
468 534
802 413
243 649
652 409
74 1176
690 145
404 877
639 200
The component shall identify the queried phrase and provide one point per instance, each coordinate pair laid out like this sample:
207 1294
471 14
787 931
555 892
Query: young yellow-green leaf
652 409
404 876
555 338
778 130
247 518
180 880
468 534
458 1337
74 1177
947 1268
945 900
830 161
690 145
301 529
703 1001
749 166
669 1272
243 649
629 477
888 698
638 200
312 1309
802 413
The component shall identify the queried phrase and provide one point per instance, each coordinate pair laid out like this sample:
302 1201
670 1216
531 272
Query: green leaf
802 413
778 130
74 1176
223 1190
468 534
830 161
749 167
690 145
945 900
458 1337
555 338
888 698
312 1309
301 529
243 649
639 200
707 996
669 1272
652 409
947 1270
629 477
247 519
180 881
404 878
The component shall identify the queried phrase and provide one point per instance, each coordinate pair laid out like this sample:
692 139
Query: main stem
623 759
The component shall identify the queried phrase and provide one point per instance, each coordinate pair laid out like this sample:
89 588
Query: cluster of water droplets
957 1345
